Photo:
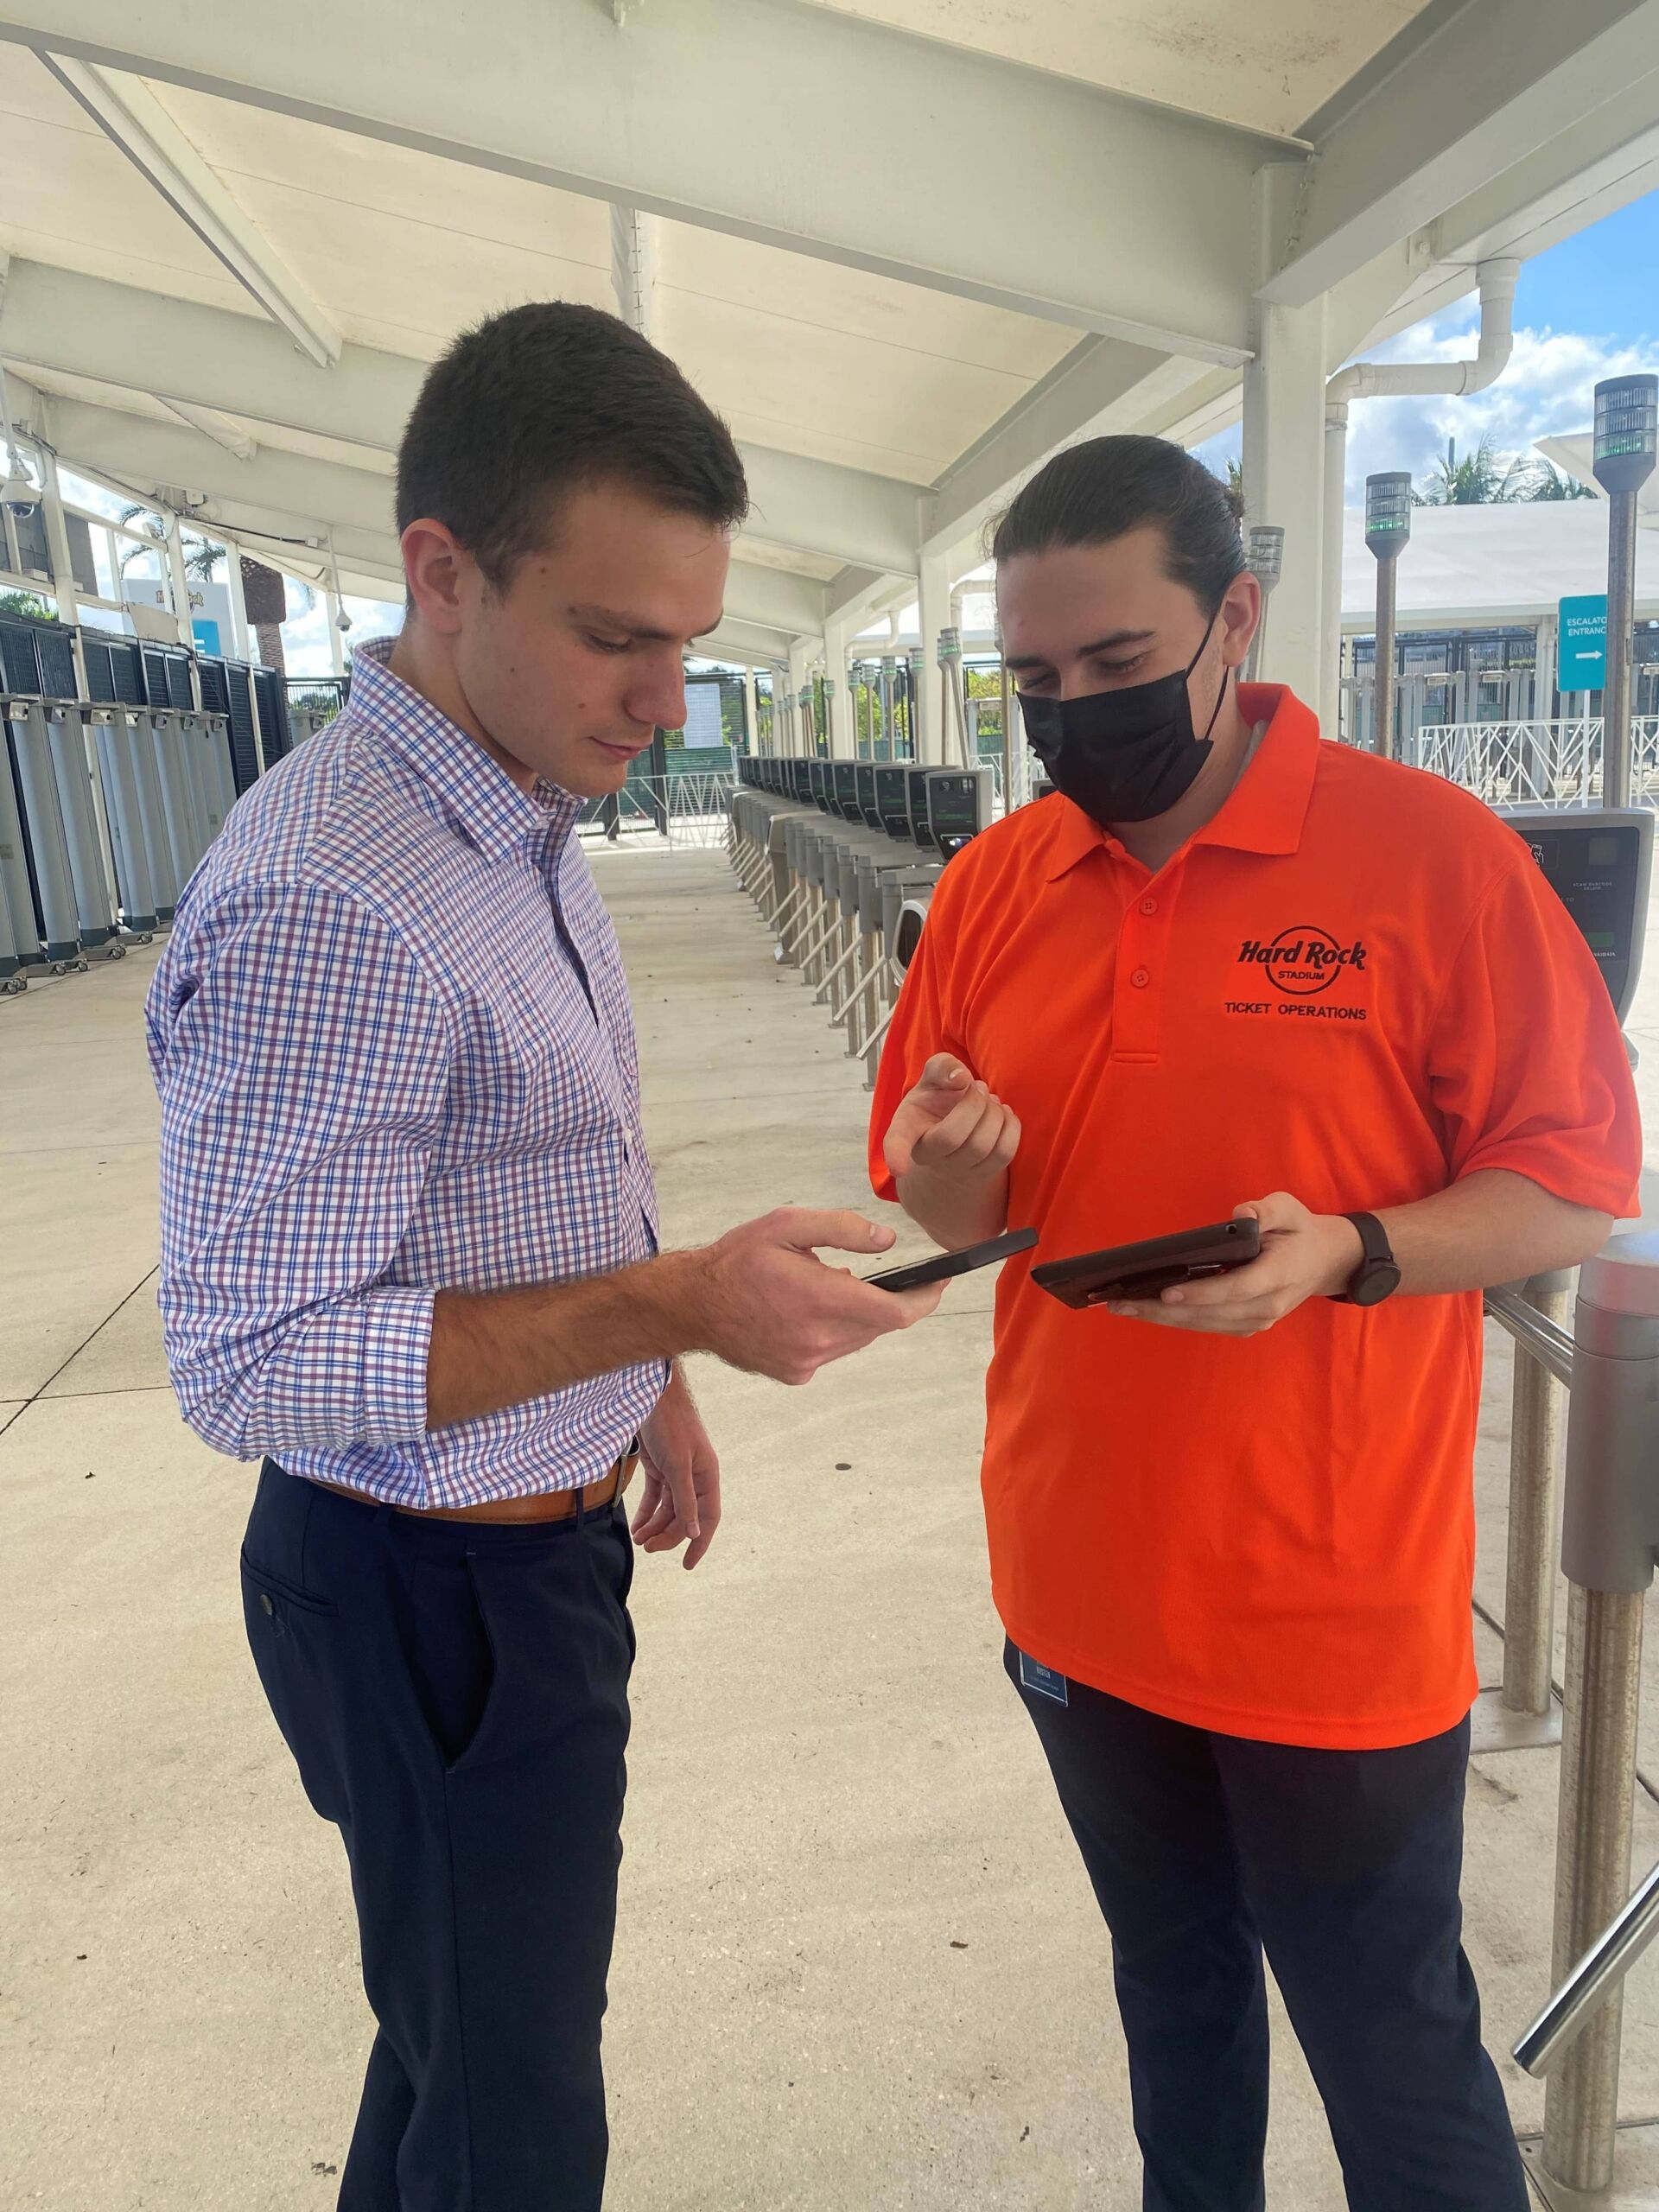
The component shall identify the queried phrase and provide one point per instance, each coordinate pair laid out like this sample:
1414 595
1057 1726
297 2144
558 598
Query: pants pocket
447 1650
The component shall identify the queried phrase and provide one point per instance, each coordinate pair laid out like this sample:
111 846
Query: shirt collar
471 791
1263 812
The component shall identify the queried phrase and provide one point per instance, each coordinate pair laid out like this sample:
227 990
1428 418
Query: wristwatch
1377 1275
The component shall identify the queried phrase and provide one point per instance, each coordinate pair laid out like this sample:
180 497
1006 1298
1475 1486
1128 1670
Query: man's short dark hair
545 400
1097 490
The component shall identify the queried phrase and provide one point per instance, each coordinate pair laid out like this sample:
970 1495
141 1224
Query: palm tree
153 527
1483 478
1548 482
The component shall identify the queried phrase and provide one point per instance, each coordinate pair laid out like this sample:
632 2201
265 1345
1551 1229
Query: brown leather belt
538 1505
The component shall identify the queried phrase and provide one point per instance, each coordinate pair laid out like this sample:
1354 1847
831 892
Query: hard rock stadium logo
1302 962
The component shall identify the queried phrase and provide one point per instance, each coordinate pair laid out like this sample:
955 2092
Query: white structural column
241 636
633 265
57 539
838 641
934 578
798 653
178 581
751 712
336 636
1284 456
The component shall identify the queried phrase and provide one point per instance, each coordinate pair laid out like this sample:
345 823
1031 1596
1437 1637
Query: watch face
1376 1280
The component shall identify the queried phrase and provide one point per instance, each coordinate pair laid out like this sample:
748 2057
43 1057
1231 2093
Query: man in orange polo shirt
1232 970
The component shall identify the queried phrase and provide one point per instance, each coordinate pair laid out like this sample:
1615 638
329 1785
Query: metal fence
1540 763
690 812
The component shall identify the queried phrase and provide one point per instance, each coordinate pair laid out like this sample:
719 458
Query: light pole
1627 431
1388 527
1264 556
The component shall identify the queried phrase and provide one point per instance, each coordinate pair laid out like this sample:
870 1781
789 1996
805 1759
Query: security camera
342 622
19 494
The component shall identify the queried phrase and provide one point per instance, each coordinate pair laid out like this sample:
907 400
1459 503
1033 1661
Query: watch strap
1376 1251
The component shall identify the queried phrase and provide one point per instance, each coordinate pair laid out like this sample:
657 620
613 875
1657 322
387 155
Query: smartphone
1145 1269
943 1265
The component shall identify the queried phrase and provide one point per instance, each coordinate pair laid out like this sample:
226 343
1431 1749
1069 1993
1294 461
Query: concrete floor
858 1964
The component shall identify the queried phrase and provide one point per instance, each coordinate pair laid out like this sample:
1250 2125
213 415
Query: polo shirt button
265 1605
1141 979
1148 905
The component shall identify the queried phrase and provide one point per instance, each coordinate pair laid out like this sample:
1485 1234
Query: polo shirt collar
471 790
1263 812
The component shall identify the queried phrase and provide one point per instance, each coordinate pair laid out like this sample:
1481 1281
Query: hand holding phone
946 1265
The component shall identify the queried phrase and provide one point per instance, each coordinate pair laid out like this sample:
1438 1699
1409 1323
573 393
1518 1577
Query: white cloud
1547 388
305 637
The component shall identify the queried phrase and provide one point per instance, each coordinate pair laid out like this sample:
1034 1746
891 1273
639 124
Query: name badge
1045 1681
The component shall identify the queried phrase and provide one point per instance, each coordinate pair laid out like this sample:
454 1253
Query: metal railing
1534 763
1606 1373
690 812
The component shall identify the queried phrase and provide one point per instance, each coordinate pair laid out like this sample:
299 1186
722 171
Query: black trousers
455 1697
1205 1850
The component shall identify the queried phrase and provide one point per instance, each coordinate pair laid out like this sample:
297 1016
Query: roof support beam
218 427
179 351
1154 244
283 493
746 641
857 595
310 498
1101 386
133 119
1460 96
775 599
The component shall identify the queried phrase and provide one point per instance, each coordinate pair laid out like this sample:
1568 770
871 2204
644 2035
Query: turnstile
40 887
64 721
115 739
1599 860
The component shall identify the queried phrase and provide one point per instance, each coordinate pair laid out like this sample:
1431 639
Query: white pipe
1393 380
1385 379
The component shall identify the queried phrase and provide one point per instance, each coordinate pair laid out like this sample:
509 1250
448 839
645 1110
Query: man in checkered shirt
411 1250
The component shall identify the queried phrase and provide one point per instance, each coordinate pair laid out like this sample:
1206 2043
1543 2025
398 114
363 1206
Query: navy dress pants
455 1694
1205 1850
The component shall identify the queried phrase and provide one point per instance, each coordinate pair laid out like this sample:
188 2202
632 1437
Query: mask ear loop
1216 711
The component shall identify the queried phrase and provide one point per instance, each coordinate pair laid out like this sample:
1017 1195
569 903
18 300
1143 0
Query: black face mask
1123 756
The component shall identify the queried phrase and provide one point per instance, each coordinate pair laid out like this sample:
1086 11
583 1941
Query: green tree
152 528
1482 479
26 602
1546 481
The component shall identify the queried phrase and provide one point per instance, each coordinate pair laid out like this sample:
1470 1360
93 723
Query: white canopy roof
1468 567
906 246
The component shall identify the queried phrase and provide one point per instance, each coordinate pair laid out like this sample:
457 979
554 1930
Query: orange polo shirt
1353 984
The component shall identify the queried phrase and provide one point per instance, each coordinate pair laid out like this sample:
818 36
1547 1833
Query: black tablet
1143 1270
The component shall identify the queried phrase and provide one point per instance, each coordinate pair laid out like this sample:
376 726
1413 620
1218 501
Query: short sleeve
926 1020
1527 1067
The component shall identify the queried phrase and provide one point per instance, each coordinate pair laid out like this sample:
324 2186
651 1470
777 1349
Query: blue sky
1587 308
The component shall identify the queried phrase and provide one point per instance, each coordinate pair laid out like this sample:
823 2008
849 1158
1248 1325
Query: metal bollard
1523 1714
1610 1531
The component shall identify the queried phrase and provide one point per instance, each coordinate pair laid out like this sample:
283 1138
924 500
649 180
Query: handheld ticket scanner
843 790
868 812
958 805
893 801
1599 860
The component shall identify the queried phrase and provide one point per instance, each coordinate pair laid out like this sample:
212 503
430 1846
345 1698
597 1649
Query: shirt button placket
1142 948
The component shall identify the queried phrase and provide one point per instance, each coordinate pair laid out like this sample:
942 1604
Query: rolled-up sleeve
1527 1068
303 1059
